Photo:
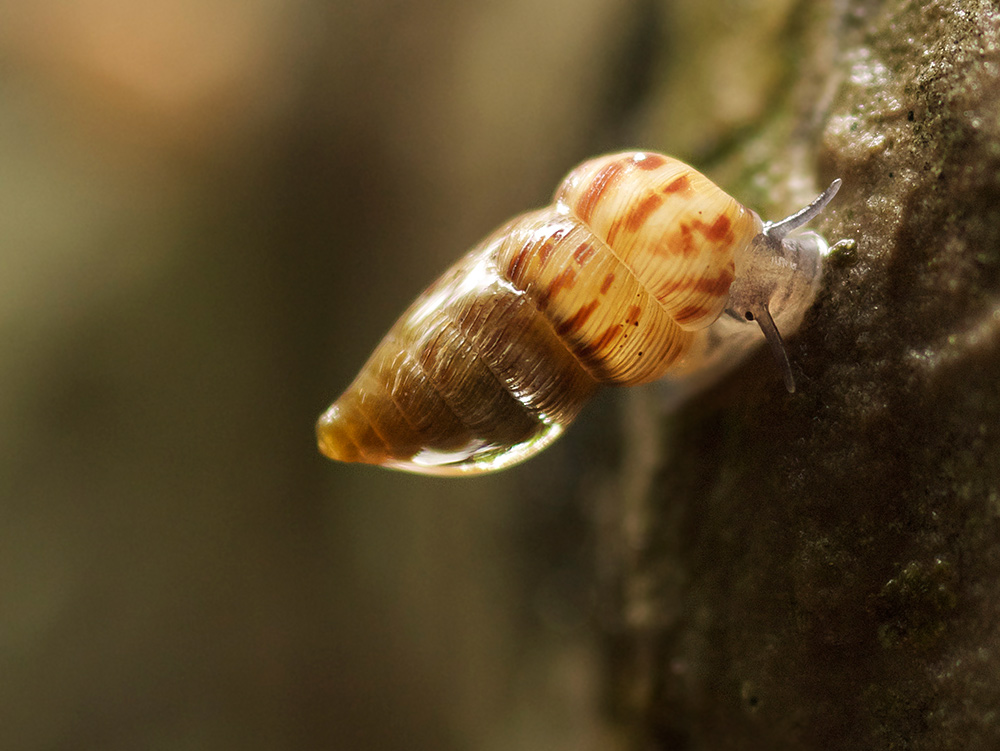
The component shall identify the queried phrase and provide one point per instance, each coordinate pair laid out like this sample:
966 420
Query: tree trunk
822 570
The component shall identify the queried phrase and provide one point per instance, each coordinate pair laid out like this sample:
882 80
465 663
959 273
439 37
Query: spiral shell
617 282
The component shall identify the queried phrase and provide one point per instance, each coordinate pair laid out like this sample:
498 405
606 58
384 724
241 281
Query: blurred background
211 211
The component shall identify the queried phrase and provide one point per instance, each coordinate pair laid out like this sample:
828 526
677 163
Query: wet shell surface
619 281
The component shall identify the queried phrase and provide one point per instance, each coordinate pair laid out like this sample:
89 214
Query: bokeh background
211 210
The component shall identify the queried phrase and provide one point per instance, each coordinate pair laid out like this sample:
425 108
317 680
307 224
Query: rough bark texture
821 570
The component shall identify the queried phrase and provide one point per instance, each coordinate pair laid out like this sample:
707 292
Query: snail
641 267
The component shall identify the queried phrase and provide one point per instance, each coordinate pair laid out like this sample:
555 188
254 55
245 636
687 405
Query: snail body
622 280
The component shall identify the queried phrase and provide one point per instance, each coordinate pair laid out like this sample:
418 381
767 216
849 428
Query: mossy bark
822 570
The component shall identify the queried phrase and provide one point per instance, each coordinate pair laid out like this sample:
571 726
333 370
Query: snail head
777 276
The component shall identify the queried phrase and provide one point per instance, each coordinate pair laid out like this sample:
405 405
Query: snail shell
619 281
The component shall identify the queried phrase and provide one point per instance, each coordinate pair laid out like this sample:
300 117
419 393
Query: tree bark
822 570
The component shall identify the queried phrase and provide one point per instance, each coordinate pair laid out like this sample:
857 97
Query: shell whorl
674 228
609 284
470 377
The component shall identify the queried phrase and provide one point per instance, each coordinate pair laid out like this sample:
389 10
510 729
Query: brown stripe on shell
719 231
716 285
680 242
680 184
577 320
599 184
565 280
690 313
606 284
545 251
517 267
638 214
583 253
649 162
595 351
